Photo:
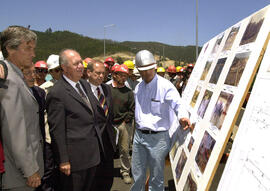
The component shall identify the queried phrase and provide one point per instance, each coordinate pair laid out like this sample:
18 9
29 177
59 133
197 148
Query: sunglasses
55 70
39 70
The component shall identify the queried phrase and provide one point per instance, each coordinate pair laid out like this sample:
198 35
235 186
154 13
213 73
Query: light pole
106 26
196 29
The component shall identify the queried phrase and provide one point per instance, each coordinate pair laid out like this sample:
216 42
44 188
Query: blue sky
168 21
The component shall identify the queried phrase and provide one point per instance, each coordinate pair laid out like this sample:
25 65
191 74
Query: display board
214 94
250 156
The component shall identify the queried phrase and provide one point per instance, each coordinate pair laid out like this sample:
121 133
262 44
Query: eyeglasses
41 70
56 70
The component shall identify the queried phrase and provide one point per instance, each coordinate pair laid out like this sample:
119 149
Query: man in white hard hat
54 70
50 178
157 106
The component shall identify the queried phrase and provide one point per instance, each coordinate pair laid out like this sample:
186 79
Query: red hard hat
121 68
41 64
190 65
109 59
87 60
106 65
113 67
171 69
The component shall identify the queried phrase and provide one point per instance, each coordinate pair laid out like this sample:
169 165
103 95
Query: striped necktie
102 101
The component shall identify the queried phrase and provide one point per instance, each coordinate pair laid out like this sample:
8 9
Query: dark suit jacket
40 95
108 135
75 137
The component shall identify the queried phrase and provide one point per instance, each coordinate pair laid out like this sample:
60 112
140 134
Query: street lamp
197 30
106 26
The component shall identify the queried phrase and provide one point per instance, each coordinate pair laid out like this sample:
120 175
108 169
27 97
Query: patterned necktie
83 96
102 101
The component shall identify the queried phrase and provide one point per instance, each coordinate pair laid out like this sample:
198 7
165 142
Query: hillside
52 42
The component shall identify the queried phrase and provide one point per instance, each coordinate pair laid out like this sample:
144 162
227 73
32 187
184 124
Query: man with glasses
51 174
54 70
41 72
103 107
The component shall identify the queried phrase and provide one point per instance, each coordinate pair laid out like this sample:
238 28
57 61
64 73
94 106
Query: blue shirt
158 105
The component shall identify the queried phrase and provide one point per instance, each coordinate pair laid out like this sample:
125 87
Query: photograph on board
204 103
180 165
204 151
190 184
231 38
206 69
217 44
195 96
174 149
237 69
217 71
221 108
190 144
253 28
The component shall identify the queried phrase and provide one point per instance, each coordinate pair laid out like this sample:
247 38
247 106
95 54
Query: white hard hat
145 60
1 56
53 61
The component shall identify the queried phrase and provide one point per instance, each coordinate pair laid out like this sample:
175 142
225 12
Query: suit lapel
106 94
73 93
11 68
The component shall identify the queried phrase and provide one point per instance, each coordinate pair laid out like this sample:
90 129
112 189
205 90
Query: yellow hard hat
129 64
178 68
160 69
84 64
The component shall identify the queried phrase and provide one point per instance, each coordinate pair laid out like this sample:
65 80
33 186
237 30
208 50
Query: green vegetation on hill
53 42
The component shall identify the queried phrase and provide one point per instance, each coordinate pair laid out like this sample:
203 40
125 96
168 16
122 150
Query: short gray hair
13 36
63 60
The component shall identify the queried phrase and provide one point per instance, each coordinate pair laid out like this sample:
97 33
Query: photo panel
237 69
195 96
180 165
253 28
206 69
231 38
217 44
190 184
221 108
217 71
204 151
190 144
204 103
174 149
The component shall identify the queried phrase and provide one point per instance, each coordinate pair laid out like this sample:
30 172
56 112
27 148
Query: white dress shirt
158 105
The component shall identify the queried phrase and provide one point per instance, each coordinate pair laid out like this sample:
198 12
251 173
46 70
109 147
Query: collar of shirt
152 83
94 89
72 83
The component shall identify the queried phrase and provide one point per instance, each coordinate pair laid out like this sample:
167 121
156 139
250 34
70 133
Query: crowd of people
62 134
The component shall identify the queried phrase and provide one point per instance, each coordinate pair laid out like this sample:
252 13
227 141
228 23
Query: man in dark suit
104 117
71 117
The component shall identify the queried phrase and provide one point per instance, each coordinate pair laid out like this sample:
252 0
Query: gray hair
63 60
13 36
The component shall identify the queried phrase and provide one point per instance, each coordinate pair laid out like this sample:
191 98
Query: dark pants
104 175
50 179
78 181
